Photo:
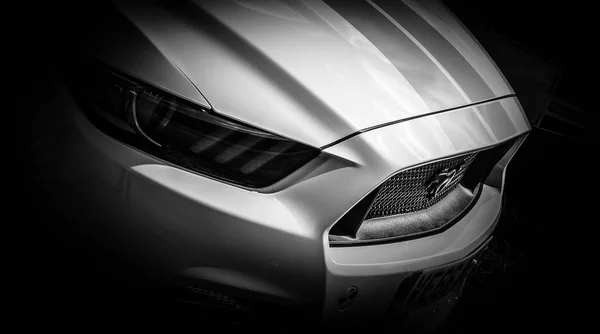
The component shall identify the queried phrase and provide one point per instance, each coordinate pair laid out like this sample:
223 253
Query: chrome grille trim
406 191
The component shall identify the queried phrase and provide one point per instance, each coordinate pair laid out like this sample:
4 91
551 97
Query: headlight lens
185 134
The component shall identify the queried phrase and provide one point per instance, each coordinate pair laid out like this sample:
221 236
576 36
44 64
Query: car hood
317 71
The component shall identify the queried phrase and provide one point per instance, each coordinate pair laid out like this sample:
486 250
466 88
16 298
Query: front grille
411 190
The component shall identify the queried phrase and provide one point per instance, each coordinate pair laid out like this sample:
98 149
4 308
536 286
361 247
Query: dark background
539 273
536 276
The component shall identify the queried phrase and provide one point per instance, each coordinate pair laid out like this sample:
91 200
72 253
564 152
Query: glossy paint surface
317 71
284 232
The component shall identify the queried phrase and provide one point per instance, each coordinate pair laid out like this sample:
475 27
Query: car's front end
344 156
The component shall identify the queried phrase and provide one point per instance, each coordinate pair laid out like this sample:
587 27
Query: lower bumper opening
233 308
426 287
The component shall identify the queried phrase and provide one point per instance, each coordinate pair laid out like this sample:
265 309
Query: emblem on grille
441 179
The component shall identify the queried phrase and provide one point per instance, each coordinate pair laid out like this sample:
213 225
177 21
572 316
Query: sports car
343 157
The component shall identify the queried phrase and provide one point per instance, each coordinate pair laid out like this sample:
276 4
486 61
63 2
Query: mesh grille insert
419 188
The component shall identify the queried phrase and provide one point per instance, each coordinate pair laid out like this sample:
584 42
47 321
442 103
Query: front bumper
192 230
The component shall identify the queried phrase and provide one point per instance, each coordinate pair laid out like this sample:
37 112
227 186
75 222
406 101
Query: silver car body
380 87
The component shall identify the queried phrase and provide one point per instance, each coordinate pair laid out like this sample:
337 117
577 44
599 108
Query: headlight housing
183 133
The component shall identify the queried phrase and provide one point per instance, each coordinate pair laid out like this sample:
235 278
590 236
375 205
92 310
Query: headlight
185 134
